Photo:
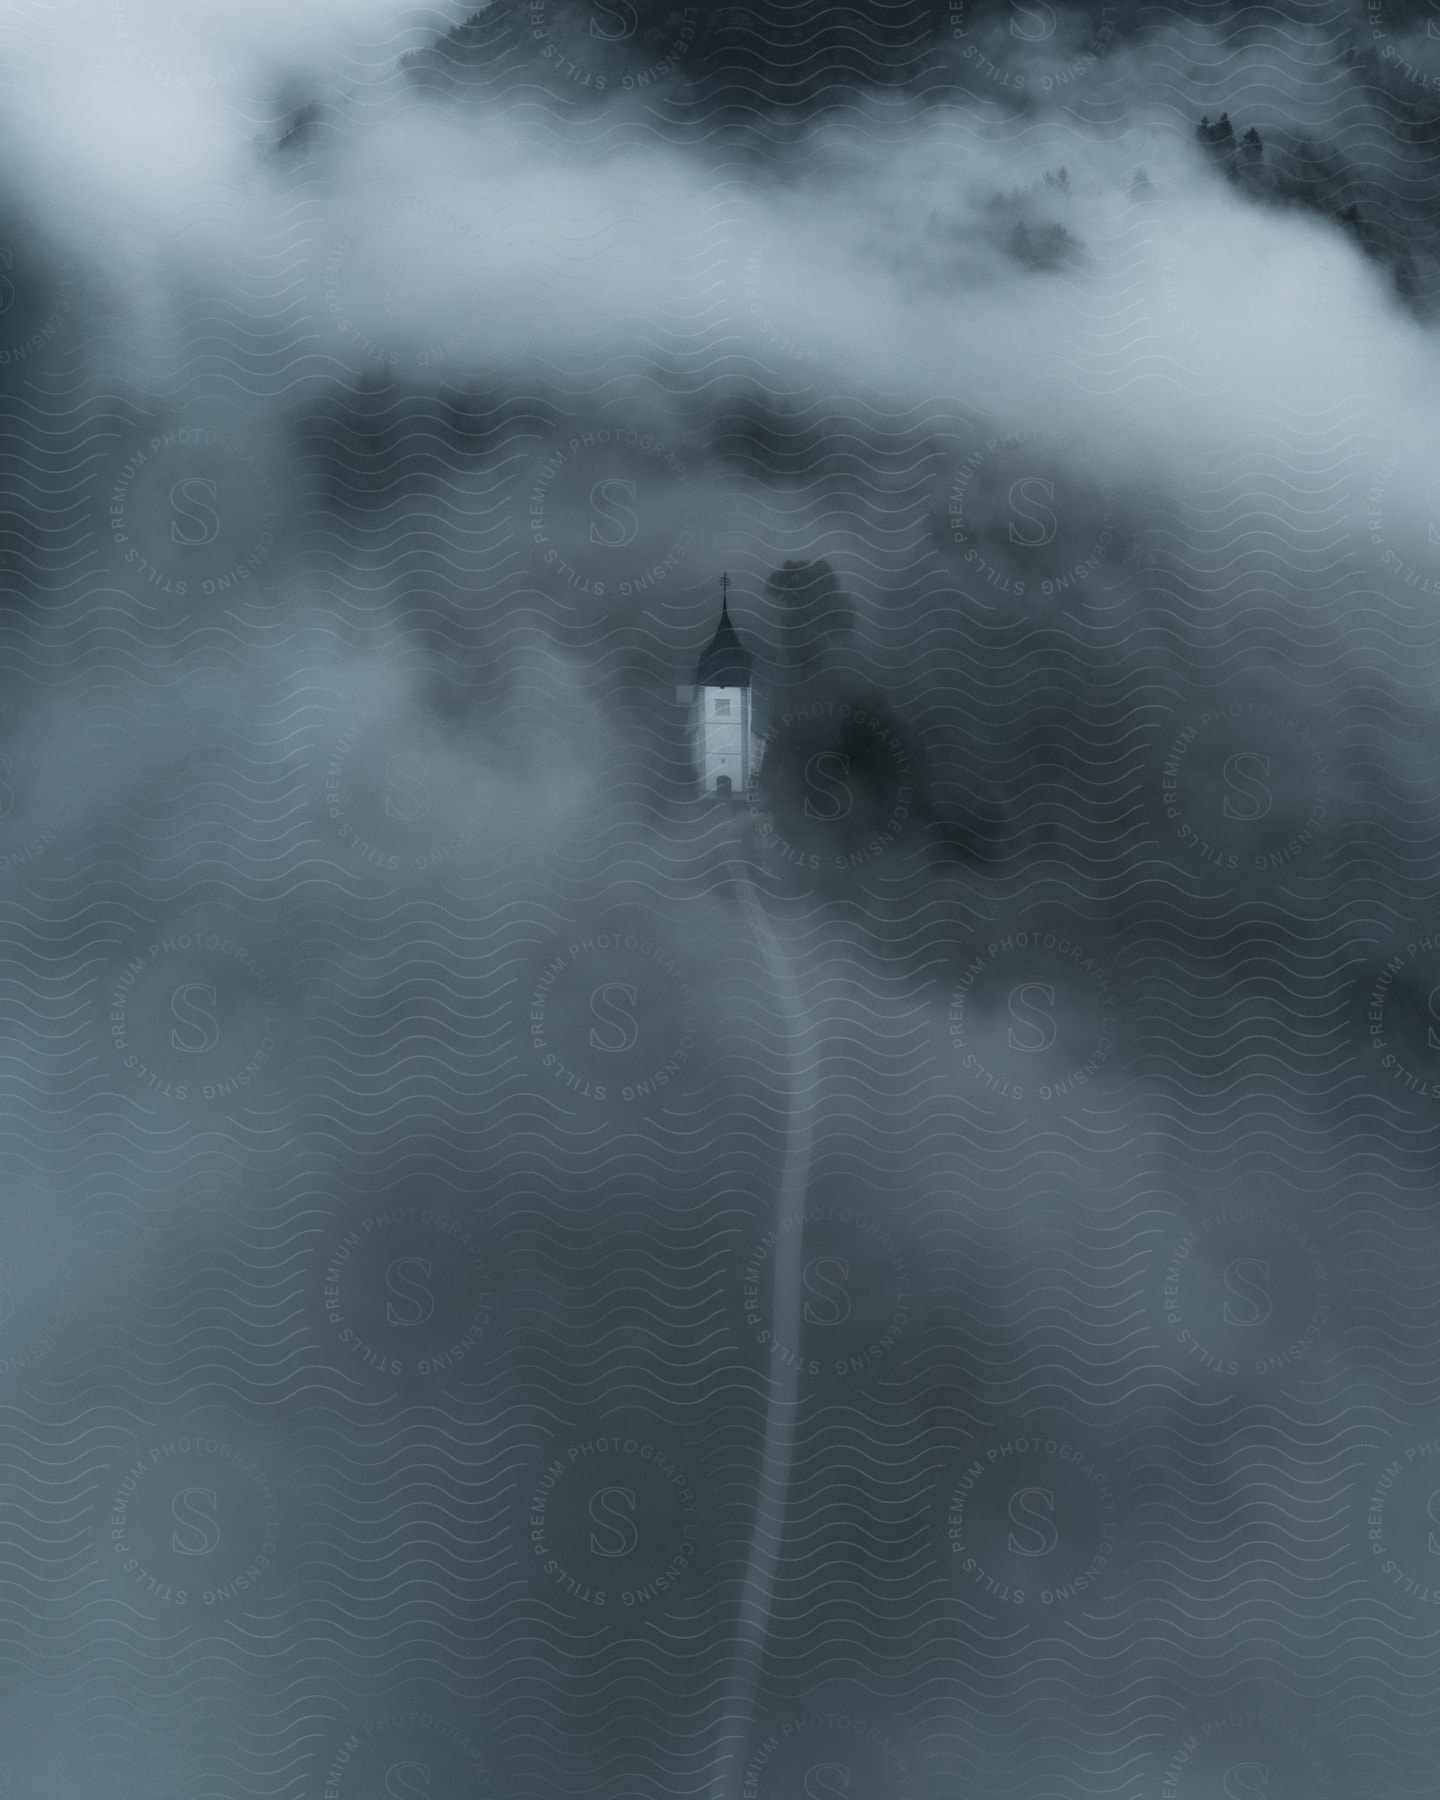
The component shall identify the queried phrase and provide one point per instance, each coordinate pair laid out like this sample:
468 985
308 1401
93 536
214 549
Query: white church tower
724 738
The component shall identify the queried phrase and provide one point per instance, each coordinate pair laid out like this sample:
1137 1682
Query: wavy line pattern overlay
719 846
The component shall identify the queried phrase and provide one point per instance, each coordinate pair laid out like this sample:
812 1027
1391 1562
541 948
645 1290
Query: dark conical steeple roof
726 663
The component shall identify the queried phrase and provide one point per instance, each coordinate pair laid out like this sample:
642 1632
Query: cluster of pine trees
1307 176
806 56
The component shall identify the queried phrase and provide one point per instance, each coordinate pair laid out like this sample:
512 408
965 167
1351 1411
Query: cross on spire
727 662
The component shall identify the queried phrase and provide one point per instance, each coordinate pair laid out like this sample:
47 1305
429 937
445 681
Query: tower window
722 708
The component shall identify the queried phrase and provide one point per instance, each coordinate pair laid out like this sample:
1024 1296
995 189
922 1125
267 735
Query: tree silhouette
1044 247
1308 175
1220 137
815 616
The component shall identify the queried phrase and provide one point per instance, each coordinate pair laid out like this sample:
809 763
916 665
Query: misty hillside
718 848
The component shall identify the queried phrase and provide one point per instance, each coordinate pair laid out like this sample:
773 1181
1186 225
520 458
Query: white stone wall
724 740
725 743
